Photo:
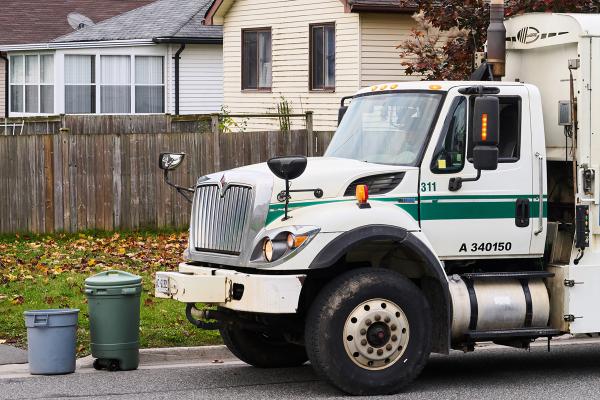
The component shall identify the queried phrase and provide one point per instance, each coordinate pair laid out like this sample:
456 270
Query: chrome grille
218 221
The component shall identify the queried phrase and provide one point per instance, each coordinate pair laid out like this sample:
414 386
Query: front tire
368 332
261 349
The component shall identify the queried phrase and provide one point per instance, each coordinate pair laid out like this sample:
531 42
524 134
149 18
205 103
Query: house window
256 59
126 84
31 81
322 57
115 84
80 84
149 85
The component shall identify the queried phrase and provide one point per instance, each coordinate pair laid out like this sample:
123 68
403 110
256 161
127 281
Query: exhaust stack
496 38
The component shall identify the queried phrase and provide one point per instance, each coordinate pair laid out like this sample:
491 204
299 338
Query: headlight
282 242
274 249
268 250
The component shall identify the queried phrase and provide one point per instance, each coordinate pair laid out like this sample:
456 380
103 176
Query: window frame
98 84
456 102
38 83
311 86
243 50
93 84
101 85
135 85
501 160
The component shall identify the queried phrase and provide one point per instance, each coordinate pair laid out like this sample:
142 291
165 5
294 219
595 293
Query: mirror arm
455 184
180 189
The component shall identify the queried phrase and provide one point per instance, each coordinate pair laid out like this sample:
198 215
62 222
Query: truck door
490 217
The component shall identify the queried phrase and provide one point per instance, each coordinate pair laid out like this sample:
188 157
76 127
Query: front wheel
369 332
262 350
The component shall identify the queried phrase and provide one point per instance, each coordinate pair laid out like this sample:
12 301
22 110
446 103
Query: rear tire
262 350
368 332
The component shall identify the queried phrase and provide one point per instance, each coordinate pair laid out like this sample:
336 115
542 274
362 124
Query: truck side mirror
341 113
486 133
343 108
170 161
485 136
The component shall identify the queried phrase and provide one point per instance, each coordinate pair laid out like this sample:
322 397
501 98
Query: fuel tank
492 304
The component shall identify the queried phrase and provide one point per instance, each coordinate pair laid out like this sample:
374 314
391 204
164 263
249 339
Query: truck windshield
386 128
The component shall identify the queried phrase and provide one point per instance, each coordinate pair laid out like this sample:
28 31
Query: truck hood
332 175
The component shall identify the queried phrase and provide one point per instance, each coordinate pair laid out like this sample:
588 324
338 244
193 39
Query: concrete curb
175 355
172 356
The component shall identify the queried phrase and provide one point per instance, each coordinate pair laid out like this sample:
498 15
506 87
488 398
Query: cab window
449 155
509 144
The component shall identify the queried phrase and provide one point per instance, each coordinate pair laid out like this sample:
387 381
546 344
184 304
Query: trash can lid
113 278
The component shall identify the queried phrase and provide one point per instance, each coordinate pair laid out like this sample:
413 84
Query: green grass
48 271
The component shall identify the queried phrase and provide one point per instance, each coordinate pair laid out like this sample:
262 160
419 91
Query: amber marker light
295 241
484 127
435 87
362 194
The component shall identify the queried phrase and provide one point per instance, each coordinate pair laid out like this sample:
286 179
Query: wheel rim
376 333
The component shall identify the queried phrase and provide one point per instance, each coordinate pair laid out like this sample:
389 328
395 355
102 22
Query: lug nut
394 338
363 331
393 327
363 342
388 347
379 352
377 317
368 322
386 319
370 350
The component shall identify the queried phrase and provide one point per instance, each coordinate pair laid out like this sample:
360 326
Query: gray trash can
51 341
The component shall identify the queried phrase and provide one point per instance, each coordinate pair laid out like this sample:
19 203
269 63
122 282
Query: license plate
162 284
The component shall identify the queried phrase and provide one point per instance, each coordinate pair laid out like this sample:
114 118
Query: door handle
540 228
522 213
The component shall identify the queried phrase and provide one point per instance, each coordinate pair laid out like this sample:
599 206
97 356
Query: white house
158 58
311 52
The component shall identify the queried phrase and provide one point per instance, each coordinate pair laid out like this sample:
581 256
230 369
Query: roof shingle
162 18
35 21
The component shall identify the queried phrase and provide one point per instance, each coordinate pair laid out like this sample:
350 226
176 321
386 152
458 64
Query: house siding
380 59
200 79
289 22
3 99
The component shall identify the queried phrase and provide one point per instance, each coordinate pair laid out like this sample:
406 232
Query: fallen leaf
17 299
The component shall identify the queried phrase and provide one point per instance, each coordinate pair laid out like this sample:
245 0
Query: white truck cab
442 214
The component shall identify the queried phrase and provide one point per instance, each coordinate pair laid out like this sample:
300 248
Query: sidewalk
149 358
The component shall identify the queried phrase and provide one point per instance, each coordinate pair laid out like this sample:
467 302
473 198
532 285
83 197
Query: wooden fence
81 178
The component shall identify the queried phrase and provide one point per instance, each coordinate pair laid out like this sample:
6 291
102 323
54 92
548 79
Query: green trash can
114 314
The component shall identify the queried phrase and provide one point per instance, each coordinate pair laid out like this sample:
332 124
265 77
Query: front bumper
270 294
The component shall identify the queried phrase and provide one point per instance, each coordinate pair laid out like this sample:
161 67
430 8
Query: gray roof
165 19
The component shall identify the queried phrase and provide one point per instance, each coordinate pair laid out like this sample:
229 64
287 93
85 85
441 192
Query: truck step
511 333
509 275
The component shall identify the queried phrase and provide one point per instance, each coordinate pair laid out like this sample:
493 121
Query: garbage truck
441 215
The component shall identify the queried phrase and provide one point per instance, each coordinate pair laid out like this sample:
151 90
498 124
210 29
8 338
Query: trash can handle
40 320
129 290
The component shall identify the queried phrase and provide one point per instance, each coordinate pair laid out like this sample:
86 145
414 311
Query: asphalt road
568 372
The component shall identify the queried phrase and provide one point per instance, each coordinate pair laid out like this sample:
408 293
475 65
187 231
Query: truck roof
430 85
534 30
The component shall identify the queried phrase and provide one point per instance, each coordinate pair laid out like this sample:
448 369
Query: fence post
309 134
214 123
